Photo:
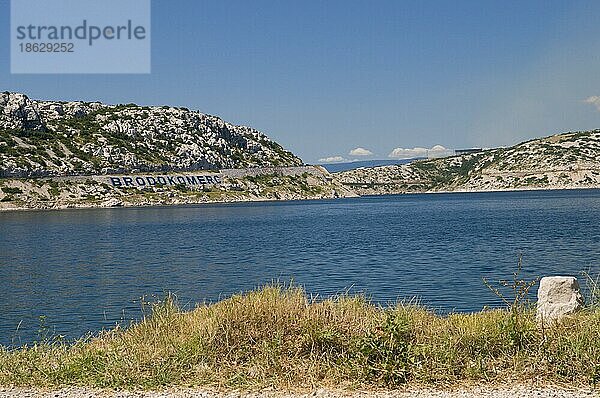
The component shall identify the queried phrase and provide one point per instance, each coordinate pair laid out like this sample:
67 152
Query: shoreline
83 206
142 206
141 190
523 189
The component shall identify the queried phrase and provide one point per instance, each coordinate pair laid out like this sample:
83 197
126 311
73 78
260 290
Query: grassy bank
279 337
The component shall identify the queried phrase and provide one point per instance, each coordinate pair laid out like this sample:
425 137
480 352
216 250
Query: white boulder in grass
557 297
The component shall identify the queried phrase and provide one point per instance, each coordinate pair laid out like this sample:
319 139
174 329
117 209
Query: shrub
386 350
9 190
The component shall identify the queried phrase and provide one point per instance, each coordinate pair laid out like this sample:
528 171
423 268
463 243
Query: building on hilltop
467 151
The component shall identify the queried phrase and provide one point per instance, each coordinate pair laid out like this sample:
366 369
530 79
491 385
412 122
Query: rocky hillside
294 183
568 160
51 138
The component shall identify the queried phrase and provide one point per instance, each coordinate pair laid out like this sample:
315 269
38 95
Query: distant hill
52 138
567 160
338 167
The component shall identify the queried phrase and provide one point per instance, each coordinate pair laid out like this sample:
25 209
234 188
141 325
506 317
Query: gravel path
471 392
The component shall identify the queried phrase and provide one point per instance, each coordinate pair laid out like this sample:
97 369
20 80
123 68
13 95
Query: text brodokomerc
164 180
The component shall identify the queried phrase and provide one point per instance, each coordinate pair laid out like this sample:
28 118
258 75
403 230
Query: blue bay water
85 270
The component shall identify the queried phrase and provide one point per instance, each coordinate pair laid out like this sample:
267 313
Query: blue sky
323 78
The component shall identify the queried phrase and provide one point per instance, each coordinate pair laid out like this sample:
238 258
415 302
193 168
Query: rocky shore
233 185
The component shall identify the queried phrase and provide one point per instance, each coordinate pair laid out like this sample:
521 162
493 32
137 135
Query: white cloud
332 159
436 151
594 100
360 152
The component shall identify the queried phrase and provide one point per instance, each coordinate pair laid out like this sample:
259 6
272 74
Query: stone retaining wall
283 171
232 173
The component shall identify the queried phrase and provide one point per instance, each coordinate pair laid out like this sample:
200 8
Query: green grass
279 337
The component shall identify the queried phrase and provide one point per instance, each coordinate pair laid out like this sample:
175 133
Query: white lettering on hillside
141 181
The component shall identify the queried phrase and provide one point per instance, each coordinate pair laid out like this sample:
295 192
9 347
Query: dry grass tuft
276 336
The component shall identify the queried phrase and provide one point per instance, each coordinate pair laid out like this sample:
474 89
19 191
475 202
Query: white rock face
52 138
558 296
18 112
113 202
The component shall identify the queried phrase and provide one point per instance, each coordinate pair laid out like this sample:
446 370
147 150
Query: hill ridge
53 138
565 160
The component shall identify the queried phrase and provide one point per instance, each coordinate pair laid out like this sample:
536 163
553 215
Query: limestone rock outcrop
54 138
17 112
